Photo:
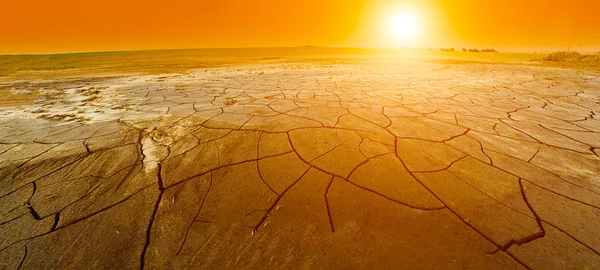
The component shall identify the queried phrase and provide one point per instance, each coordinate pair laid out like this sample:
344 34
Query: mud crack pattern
305 165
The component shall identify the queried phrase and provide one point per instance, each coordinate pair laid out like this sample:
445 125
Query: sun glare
403 27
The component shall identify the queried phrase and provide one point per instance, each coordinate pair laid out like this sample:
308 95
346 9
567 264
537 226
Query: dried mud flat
408 164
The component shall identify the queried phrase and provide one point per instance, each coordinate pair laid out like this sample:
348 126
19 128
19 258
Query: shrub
572 59
562 56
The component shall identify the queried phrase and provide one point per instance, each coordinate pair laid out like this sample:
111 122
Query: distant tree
474 50
464 49
451 49
489 50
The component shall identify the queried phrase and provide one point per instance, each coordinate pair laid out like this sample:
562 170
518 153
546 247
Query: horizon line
254 47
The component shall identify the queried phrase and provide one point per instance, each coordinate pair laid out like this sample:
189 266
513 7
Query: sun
403 26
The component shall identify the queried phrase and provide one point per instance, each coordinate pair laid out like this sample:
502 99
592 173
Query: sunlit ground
40 66
370 147
353 158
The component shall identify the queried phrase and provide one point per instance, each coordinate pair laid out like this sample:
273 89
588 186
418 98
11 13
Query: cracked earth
406 164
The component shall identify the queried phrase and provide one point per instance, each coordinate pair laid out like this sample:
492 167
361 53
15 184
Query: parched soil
391 164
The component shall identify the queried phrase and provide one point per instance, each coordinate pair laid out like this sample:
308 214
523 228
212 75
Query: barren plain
341 162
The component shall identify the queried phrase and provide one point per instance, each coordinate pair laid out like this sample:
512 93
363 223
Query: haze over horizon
75 26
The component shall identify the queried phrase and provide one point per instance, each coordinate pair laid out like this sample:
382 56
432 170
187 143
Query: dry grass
562 56
572 59
150 62
29 67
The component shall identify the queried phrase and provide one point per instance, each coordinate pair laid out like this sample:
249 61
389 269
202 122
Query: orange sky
40 26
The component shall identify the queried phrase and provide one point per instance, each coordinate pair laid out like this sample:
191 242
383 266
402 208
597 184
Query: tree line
466 50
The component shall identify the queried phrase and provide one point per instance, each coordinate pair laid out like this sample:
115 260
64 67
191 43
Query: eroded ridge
303 164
